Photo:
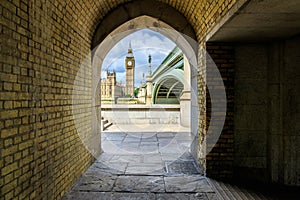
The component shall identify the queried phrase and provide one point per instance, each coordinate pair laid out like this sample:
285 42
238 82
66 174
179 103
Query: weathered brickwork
202 14
42 154
219 161
43 45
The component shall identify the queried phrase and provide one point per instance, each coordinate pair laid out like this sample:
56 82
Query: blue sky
143 42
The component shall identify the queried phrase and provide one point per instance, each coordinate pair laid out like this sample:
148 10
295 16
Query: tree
136 92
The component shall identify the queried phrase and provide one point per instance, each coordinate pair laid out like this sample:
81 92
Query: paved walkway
144 166
150 166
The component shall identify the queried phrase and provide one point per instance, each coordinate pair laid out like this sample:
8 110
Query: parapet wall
141 114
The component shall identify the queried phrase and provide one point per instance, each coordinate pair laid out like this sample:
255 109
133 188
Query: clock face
129 63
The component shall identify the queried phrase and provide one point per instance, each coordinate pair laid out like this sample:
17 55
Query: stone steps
105 124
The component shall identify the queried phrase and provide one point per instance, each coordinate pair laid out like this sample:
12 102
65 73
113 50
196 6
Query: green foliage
127 101
136 92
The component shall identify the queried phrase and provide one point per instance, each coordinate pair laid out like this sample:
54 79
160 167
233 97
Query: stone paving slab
148 149
112 168
149 134
72 195
104 157
149 140
109 196
131 139
139 184
166 141
152 158
116 143
195 183
113 137
182 196
184 135
107 133
133 196
131 149
134 135
180 167
112 148
184 143
186 156
166 135
149 143
131 144
134 158
155 169
95 181
170 156
170 149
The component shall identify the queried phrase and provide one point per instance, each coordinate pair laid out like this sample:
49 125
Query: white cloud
143 42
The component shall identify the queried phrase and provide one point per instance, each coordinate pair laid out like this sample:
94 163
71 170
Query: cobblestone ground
149 166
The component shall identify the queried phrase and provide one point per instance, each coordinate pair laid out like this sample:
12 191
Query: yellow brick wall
43 45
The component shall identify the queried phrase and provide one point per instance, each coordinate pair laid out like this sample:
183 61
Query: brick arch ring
109 33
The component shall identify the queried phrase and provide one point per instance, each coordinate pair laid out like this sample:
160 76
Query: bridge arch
175 74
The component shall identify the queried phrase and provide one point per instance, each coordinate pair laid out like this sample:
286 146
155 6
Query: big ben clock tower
129 66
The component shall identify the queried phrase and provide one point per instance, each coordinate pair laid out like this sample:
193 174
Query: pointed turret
129 54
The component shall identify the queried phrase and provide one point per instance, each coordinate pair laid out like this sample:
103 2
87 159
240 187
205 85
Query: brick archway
186 44
126 12
46 43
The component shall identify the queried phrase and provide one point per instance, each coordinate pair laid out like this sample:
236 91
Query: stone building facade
110 88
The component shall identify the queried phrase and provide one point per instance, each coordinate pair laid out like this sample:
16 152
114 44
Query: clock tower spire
129 66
